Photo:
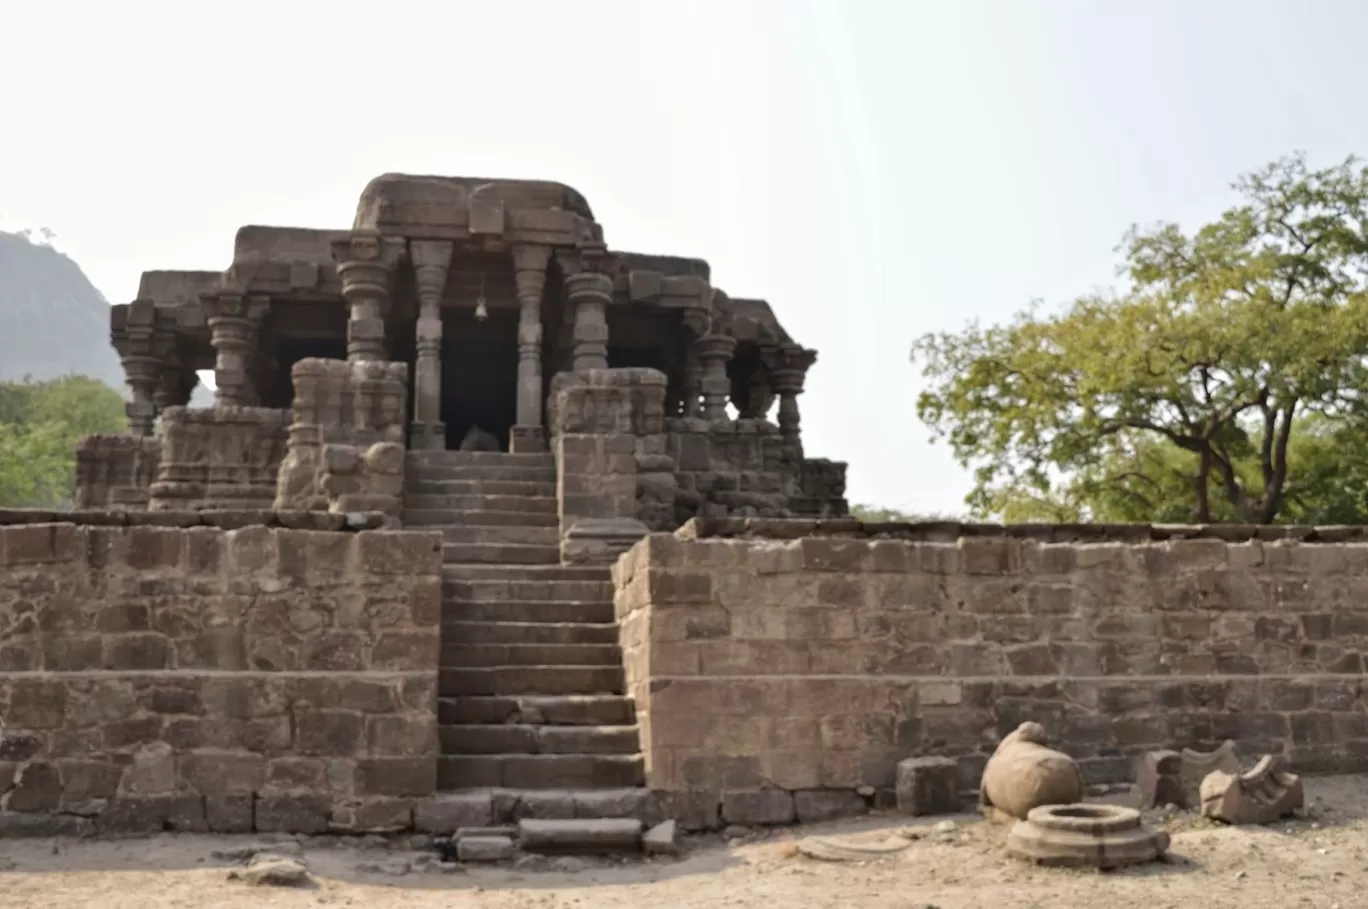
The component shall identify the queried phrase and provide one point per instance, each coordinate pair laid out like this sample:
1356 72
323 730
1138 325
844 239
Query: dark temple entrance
479 374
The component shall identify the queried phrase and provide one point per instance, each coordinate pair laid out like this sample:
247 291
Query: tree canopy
1224 382
40 425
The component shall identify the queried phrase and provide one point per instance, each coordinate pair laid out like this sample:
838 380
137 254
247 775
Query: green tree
1187 396
874 514
40 426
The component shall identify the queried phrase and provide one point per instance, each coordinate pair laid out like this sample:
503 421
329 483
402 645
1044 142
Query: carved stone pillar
234 320
365 285
431 261
529 268
133 330
788 377
714 352
589 294
140 372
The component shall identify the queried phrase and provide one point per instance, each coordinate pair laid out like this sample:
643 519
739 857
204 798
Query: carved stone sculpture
1088 836
1024 774
1197 765
1259 796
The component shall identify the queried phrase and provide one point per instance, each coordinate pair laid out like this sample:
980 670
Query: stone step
458 588
495 739
449 503
442 473
462 655
500 554
422 486
539 771
538 573
467 533
514 680
579 836
496 632
505 806
476 518
544 611
547 710
422 459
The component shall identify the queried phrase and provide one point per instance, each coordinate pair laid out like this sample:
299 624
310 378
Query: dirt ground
1316 860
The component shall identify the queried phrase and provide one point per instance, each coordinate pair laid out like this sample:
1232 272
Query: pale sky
874 168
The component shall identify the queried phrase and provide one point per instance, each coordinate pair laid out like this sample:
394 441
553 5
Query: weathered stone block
485 848
230 813
413 777
928 785
38 788
585 836
759 807
814 806
450 811
293 813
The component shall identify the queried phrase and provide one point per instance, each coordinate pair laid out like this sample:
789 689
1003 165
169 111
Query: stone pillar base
527 440
427 436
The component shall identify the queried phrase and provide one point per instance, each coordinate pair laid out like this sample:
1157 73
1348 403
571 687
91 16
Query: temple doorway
479 374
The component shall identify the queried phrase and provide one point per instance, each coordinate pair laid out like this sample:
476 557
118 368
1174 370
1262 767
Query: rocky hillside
55 321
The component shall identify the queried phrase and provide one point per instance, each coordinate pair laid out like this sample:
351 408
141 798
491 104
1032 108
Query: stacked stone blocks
203 679
766 669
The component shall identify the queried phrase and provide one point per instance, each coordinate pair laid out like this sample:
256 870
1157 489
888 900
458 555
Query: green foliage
40 425
1224 384
874 514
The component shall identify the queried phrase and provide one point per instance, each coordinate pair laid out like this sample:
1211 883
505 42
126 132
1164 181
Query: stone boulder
1024 773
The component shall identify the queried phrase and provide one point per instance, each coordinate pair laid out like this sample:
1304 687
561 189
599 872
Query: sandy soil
1317 860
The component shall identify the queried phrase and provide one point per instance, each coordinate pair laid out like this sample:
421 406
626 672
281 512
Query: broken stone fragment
587 836
1260 796
1082 836
271 869
1024 774
662 839
484 848
1197 765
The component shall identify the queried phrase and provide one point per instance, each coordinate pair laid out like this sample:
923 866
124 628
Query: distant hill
56 322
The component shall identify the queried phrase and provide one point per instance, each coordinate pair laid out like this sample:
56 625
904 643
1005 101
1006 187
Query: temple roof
173 288
666 265
411 198
259 243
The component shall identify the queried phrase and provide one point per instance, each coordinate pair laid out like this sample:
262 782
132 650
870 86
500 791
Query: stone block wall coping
224 519
700 528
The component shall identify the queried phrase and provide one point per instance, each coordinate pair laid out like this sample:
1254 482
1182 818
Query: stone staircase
531 680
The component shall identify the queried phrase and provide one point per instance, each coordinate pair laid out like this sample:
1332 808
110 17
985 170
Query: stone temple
490 523
463 308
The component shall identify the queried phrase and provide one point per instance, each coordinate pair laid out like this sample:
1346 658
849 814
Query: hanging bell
481 309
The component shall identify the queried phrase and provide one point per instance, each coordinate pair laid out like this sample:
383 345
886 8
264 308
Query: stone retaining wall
783 677
196 678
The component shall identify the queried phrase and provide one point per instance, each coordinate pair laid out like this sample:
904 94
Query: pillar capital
790 366
589 284
234 318
715 348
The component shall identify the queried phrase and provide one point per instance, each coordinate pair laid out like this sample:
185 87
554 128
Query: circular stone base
1091 836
